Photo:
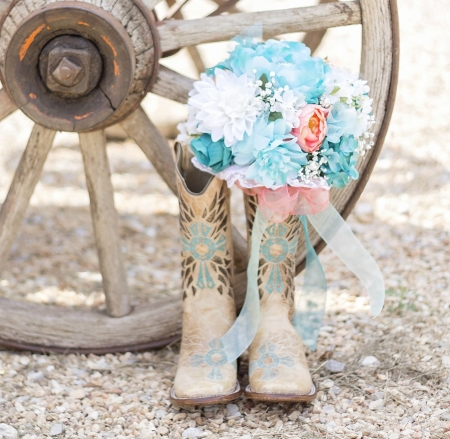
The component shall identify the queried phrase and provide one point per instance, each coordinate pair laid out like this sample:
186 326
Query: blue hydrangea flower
273 167
290 61
266 135
342 159
214 155
342 121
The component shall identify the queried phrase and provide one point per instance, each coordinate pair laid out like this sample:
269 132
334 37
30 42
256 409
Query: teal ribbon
243 331
310 309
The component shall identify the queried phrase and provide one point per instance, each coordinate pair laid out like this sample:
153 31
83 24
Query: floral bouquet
286 127
280 124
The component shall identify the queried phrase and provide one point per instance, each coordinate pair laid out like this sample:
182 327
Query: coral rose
312 129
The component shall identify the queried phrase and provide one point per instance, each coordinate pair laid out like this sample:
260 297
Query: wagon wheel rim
150 326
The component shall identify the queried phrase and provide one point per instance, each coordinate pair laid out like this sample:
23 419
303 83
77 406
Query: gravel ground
386 378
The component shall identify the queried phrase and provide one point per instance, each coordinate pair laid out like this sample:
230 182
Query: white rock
375 405
160 413
446 361
56 429
294 415
7 432
335 366
77 394
233 410
35 376
426 358
370 361
425 409
193 433
24 361
328 384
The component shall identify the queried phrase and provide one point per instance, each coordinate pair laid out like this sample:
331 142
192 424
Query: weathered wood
151 4
22 187
193 51
154 145
106 222
179 33
313 39
3 5
172 85
7 106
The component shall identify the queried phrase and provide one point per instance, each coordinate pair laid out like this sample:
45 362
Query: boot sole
281 397
206 400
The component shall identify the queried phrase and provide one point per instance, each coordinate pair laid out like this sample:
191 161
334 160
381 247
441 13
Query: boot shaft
207 251
276 269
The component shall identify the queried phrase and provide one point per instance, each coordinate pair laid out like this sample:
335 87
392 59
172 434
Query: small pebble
233 410
425 409
375 405
56 429
7 432
370 361
162 430
160 413
328 384
193 433
335 366
35 376
294 415
77 394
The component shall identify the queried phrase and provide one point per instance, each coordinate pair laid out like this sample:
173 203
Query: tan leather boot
204 376
278 369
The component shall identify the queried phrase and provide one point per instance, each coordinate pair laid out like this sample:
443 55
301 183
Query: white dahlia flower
227 106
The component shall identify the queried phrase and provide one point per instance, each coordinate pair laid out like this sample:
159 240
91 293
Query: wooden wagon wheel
311 39
76 66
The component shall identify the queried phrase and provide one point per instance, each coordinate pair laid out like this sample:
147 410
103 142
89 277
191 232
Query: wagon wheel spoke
151 4
106 222
226 6
155 146
172 85
314 38
7 106
193 51
22 187
180 33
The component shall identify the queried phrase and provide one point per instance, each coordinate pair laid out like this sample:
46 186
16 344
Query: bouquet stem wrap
310 307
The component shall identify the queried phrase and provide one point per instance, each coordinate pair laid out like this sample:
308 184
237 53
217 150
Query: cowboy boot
204 376
278 370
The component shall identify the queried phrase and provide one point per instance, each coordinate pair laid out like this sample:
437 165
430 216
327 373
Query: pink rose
312 129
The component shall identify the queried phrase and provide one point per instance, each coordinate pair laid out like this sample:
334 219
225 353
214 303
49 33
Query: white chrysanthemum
227 106
342 85
289 104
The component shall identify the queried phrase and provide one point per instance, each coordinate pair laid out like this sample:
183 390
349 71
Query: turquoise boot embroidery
203 248
275 250
268 361
215 357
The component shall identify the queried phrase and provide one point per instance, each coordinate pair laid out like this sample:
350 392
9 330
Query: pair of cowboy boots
278 370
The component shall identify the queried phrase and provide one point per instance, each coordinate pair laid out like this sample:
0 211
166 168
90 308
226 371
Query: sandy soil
401 218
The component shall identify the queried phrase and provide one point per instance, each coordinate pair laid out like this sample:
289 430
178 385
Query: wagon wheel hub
71 66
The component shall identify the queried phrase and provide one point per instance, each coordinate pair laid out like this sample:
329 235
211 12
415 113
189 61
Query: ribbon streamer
337 234
238 338
310 308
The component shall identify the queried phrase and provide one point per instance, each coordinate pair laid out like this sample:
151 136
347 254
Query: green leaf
335 90
264 79
275 115
344 100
